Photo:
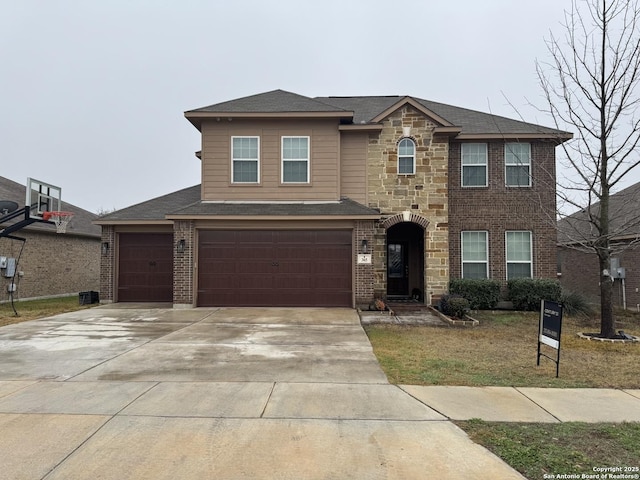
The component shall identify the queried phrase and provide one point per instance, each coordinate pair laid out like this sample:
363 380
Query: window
406 157
474 255
474 164
244 159
517 164
519 260
295 159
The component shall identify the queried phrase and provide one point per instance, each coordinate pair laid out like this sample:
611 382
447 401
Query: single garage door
274 268
145 267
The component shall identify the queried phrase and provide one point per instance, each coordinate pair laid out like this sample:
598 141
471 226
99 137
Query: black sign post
550 329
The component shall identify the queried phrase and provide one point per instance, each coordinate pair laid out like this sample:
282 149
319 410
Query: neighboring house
334 201
50 264
578 267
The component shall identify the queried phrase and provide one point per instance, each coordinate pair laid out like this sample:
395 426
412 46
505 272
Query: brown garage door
145 267
274 268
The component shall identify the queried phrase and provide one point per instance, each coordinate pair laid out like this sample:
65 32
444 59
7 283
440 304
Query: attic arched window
406 157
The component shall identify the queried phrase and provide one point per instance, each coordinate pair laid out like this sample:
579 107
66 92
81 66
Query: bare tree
591 87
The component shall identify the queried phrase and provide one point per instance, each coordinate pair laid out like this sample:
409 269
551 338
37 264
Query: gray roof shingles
187 202
624 218
359 110
81 223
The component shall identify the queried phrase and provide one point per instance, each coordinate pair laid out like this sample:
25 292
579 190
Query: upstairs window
245 159
475 256
474 164
519 258
295 159
517 164
406 157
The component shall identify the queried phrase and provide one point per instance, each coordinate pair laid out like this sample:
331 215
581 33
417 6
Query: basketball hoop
61 219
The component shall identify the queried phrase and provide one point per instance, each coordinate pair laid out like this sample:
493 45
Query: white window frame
234 159
485 165
412 157
283 160
517 162
463 261
506 253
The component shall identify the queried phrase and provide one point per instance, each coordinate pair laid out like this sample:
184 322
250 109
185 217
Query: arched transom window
406 157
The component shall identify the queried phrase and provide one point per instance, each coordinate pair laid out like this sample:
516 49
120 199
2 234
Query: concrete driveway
156 393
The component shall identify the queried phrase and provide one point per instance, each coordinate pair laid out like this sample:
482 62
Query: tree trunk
607 325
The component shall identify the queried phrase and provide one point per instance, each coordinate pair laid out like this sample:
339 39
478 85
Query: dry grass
34 309
502 351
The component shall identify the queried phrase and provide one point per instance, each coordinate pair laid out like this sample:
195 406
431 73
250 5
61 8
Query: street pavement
134 392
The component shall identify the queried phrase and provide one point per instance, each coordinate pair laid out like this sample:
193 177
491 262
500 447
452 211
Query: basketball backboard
42 197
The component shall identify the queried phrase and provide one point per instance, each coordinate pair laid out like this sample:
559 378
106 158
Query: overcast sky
93 93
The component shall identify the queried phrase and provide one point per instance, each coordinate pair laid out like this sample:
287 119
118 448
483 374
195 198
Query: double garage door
274 268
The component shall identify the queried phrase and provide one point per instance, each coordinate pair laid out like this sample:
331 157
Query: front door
397 270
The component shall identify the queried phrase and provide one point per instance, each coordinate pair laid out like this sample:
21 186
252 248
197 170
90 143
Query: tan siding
325 161
353 166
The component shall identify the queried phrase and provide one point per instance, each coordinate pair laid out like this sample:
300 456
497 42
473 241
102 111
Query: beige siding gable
324 179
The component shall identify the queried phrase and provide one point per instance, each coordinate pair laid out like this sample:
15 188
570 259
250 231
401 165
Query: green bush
526 293
454 305
575 304
483 294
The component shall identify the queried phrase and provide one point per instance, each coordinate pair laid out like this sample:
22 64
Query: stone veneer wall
183 264
424 194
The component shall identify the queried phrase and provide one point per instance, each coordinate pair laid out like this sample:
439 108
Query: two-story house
334 201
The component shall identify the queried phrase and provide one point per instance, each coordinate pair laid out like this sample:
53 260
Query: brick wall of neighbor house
424 193
498 208
579 272
52 264
107 265
364 276
183 263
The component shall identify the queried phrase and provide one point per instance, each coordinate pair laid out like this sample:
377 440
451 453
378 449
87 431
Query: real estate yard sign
550 329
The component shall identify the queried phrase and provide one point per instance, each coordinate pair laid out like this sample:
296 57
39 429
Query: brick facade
51 264
107 264
580 272
364 273
183 295
497 208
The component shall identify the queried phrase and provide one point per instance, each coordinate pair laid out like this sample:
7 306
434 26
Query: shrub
526 293
575 304
483 294
454 305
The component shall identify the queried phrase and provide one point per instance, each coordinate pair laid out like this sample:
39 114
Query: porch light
105 248
180 246
365 245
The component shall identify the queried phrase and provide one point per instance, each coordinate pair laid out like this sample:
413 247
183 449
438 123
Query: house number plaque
364 258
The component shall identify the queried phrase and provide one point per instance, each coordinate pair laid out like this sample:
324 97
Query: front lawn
502 351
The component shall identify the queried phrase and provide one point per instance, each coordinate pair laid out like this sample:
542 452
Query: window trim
506 253
282 160
257 160
517 164
412 156
486 165
486 243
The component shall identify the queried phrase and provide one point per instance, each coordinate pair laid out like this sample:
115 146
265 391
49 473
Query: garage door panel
269 268
145 267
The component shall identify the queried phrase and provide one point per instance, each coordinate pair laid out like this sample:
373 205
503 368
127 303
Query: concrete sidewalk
143 393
